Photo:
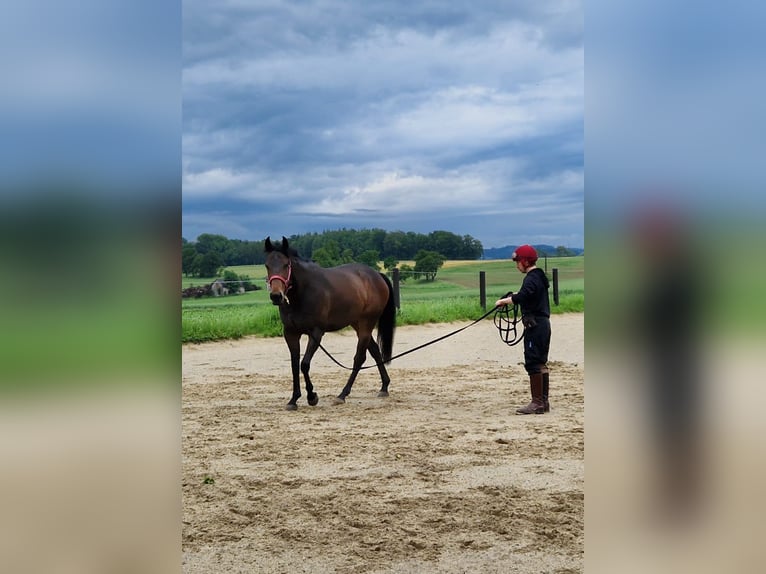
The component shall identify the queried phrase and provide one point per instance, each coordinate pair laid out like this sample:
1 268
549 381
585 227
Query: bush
234 282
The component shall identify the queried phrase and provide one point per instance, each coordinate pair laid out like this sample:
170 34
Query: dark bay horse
313 300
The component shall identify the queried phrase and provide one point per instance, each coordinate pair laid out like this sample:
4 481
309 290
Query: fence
395 280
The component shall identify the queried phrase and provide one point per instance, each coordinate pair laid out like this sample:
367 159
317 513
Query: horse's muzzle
279 298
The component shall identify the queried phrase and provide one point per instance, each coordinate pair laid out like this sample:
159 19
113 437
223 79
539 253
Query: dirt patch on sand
439 477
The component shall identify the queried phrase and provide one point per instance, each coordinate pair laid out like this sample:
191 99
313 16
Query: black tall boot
545 390
536 405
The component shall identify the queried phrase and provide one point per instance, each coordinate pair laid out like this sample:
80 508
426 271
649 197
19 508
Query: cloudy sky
414 116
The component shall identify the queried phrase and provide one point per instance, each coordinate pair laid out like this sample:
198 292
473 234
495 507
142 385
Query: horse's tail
387 324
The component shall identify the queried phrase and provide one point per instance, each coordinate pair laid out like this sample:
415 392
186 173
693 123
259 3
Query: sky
91 92
412 116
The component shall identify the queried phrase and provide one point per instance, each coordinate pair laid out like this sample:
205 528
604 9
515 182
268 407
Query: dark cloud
351 108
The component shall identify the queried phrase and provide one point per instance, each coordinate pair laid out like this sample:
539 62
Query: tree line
209 253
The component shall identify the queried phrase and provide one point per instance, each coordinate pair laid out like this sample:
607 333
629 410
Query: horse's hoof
313 399
339 401
383 394
291 407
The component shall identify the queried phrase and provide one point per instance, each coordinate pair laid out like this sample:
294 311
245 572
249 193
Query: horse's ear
268 247
284 244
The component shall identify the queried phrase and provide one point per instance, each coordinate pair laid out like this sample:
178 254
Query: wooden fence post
555 286
395 283
483 289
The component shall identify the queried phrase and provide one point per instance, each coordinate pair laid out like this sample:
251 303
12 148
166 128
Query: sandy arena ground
441 476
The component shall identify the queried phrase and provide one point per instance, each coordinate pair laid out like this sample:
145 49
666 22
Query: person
535 316
666 319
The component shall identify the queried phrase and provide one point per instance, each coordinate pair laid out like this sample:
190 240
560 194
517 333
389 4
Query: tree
370 257
210 264
405 272
324 257
347 256
428 263
389 263
208 242
329 248
445 242
234 282
189 260
472 248
328 255
393 244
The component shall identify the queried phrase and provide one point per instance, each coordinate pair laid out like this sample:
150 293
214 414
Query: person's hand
503 301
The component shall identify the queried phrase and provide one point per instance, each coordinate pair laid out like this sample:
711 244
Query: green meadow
453 296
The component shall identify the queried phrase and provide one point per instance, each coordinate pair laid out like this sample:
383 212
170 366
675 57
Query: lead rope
502 319
506 325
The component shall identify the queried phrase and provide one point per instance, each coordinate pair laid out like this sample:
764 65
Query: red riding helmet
525 252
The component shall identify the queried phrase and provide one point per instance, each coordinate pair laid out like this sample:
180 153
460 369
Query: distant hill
507 251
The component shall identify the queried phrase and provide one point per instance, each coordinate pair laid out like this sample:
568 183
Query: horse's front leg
377 355
293 341
359 358
315 338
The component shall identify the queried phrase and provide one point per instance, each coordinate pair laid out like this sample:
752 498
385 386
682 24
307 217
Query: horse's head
279 271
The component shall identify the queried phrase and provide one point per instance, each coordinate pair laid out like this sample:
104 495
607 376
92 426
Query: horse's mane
293 253
288 251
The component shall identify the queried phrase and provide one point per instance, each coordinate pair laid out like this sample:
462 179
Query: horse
313 300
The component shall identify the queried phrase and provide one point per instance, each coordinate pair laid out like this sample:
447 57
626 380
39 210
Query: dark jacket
533 295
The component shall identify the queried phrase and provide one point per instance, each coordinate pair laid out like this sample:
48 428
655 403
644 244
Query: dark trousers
537 343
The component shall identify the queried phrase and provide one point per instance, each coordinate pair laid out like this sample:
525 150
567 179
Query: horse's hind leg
385 379
359 358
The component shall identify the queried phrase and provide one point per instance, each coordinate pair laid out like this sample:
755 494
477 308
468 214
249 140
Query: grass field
454 296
